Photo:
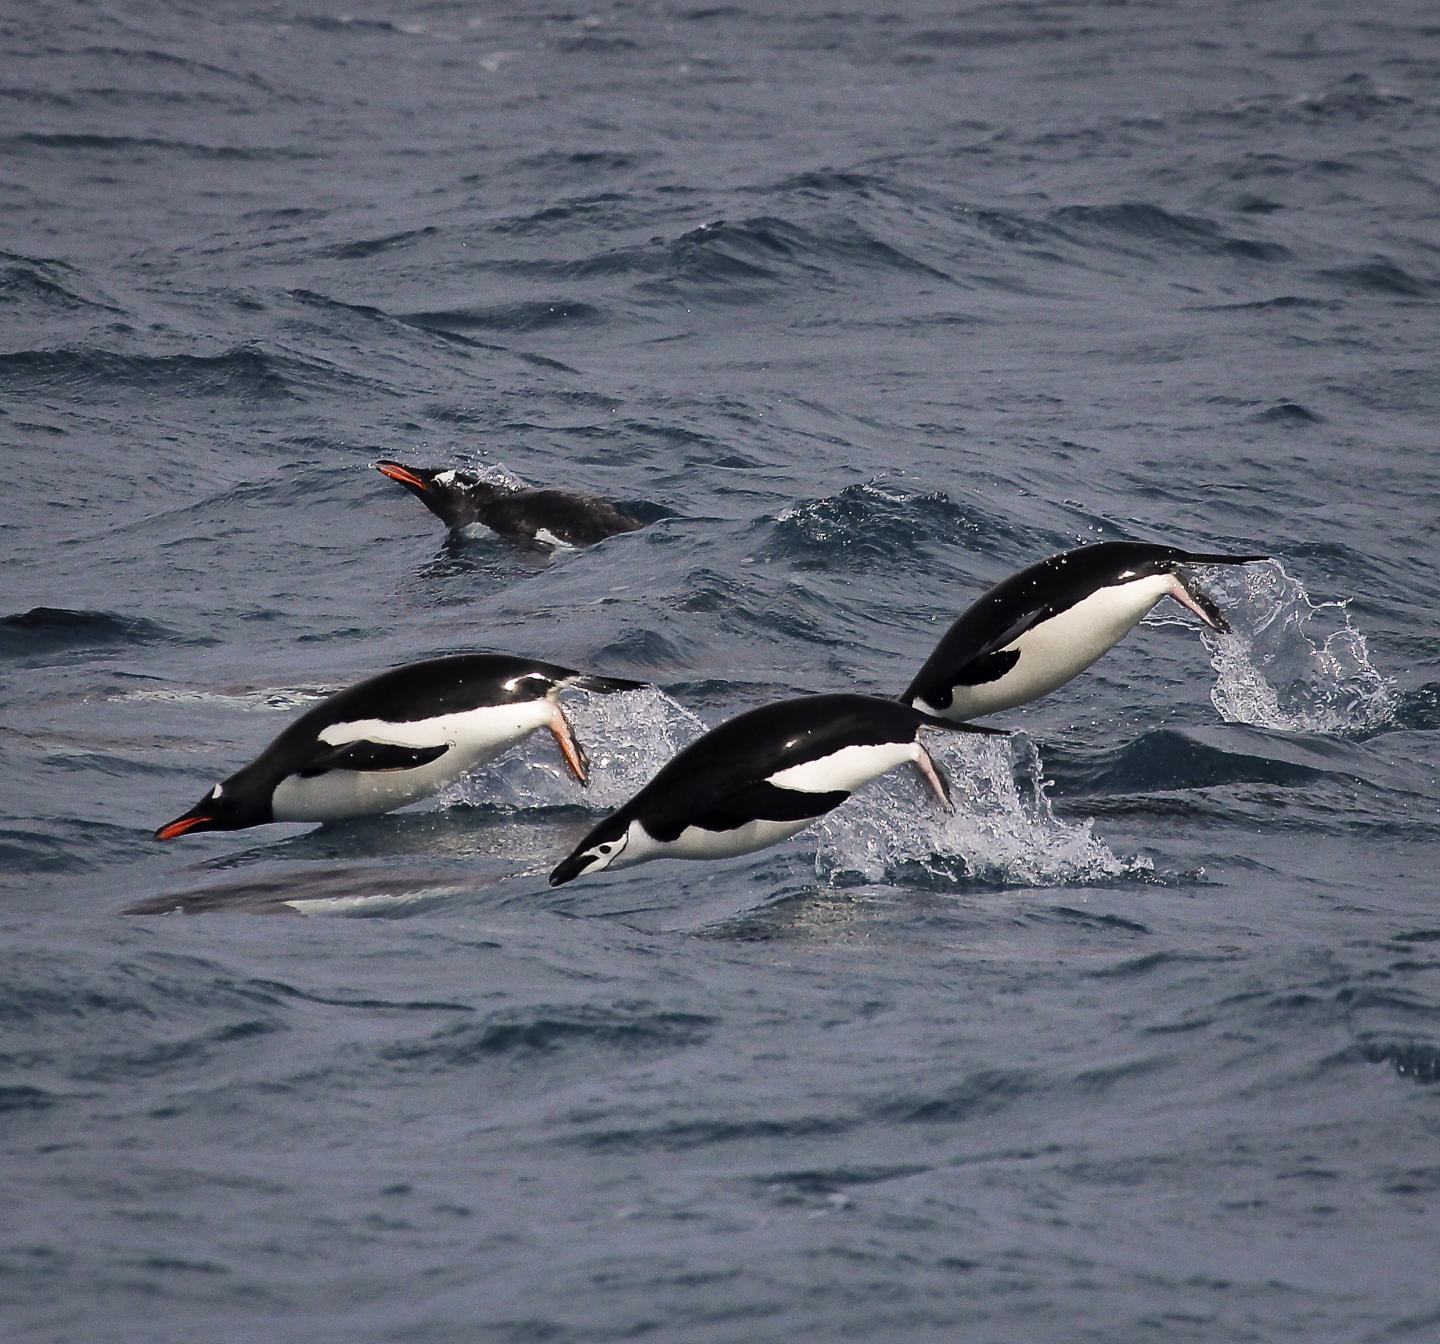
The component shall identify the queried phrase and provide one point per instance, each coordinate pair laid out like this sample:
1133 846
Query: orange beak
179 826
402 474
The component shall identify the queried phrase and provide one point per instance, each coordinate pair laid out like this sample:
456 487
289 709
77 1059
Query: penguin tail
1187 558
935 721
583 681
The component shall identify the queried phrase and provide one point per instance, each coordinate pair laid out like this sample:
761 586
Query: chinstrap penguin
524 516
759 778
396 738
1039 628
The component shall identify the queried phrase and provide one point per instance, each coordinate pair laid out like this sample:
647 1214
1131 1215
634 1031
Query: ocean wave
737 261
1415 1059
45 631
244 372
1128 223
1381 276
363 248
1288 413
766 247
534 315
1396 1026
1171 759
39 283
140 146
878 520
1354 98
980 1092
1419 708
545 1030
586 164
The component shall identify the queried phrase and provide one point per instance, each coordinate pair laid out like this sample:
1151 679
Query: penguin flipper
367 756
733 808
986 667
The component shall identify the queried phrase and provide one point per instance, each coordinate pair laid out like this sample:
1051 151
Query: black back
719 781
970 652
579 520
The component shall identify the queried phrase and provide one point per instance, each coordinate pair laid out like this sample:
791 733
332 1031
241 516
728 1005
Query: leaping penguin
396 738
759 778
1039 628
527 517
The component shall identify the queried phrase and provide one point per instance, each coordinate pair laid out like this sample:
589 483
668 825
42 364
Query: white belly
842 771
473 737
1063 647
847 769
696 843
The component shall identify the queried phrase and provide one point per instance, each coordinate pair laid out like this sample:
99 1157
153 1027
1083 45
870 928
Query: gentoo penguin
529 517
1046 624
396 738
758 778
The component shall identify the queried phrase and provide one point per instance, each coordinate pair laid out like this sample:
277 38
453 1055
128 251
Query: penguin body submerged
759 778
527 517
1036 630
394 739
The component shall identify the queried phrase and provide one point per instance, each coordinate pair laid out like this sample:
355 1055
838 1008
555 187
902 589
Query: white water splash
1000 832
495 473
1291 663
273 697
627 736
821 520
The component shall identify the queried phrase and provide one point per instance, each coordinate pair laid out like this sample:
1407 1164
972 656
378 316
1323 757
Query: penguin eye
604 849
216 792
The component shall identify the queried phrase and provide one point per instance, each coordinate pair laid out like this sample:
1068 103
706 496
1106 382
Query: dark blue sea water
865 306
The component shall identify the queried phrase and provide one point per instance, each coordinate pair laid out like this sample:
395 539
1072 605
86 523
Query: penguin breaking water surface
1047 624
527 517
394 739
759 778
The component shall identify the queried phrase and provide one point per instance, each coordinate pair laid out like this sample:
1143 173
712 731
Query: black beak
1202 604
569 869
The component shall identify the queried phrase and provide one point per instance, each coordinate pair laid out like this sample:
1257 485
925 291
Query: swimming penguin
396 738
528 517
1047 624
759 778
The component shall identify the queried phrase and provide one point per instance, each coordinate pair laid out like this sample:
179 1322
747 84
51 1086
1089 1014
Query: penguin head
415 479
456 497
596 852
227 807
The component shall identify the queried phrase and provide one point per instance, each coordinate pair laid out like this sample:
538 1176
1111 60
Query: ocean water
863 307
